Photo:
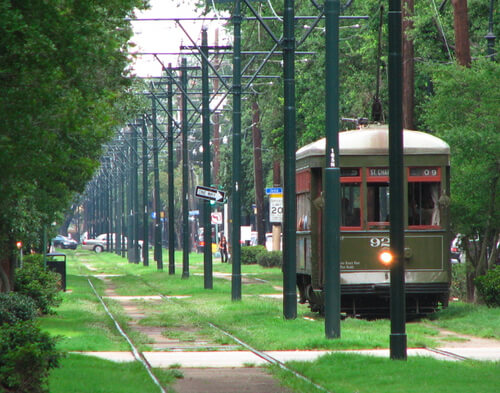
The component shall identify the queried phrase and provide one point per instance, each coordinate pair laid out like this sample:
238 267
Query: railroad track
140 356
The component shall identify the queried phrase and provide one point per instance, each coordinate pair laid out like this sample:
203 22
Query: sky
167 36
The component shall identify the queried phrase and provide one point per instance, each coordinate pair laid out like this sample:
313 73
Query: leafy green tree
464 111
64 86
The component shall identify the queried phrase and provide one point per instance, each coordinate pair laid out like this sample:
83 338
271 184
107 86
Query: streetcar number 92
380 242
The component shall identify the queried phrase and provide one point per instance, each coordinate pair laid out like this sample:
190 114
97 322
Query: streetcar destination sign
212 194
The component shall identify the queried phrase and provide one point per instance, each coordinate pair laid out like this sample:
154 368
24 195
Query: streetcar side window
303 200
378 202
304 212
351 213
424 188
423 204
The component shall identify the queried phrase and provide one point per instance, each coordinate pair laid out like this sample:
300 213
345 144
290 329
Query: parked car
455 250
64 242
100 243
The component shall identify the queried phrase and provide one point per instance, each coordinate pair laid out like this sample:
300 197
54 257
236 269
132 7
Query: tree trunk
259 181
7 264
461 27
276 183
408 67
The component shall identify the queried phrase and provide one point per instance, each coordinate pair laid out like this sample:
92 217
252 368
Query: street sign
276 209
212 194
274 190
216 218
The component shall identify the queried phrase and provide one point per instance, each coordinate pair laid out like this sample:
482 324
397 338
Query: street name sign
274 190
212 194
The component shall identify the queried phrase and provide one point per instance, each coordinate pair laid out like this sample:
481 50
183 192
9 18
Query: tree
464 111
64 85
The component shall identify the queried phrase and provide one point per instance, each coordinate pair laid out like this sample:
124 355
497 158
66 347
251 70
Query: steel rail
138 355
447 353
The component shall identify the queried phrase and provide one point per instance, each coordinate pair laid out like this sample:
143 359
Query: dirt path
451 339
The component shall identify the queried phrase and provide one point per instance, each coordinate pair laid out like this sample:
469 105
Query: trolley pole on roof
236 249
396 185
289 236
331 221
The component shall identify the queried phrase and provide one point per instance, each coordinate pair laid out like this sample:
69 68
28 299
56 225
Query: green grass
350 373
80 373
472 319
81 321
258 321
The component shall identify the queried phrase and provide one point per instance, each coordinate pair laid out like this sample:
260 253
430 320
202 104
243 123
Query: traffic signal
19 245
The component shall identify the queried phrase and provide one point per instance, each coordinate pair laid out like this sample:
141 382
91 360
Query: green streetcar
364 189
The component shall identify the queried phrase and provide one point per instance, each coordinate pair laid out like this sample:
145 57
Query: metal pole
170 148
490 37
123 205
396 186
207 227
185 207
289 236
145 221
158 252
331 216
130 204
119 210
236 202
135 189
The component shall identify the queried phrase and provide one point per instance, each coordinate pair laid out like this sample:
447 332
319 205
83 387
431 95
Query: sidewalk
238 359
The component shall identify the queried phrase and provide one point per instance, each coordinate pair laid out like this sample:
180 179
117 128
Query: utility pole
185 168
396 186
235 238
207 226
289 236
170 149
135 172
490 37
258 172
461 27
216 162
145 186
408 67
331 180
158 251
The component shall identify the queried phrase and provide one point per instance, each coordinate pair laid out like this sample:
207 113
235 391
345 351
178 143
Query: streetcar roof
373 140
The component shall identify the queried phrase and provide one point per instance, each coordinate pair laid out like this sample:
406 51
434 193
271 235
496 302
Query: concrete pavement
224 359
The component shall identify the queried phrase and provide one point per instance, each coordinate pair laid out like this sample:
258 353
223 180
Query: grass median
257 319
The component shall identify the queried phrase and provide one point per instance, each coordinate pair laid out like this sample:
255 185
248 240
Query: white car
100 243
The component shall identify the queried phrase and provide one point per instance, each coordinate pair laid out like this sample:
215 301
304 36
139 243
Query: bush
15 307
488 287
26 356
249 254
40 284
270 259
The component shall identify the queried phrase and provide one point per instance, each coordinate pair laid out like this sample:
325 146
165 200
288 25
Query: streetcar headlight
386 257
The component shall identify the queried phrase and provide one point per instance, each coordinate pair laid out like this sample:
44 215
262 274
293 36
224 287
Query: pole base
398 346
